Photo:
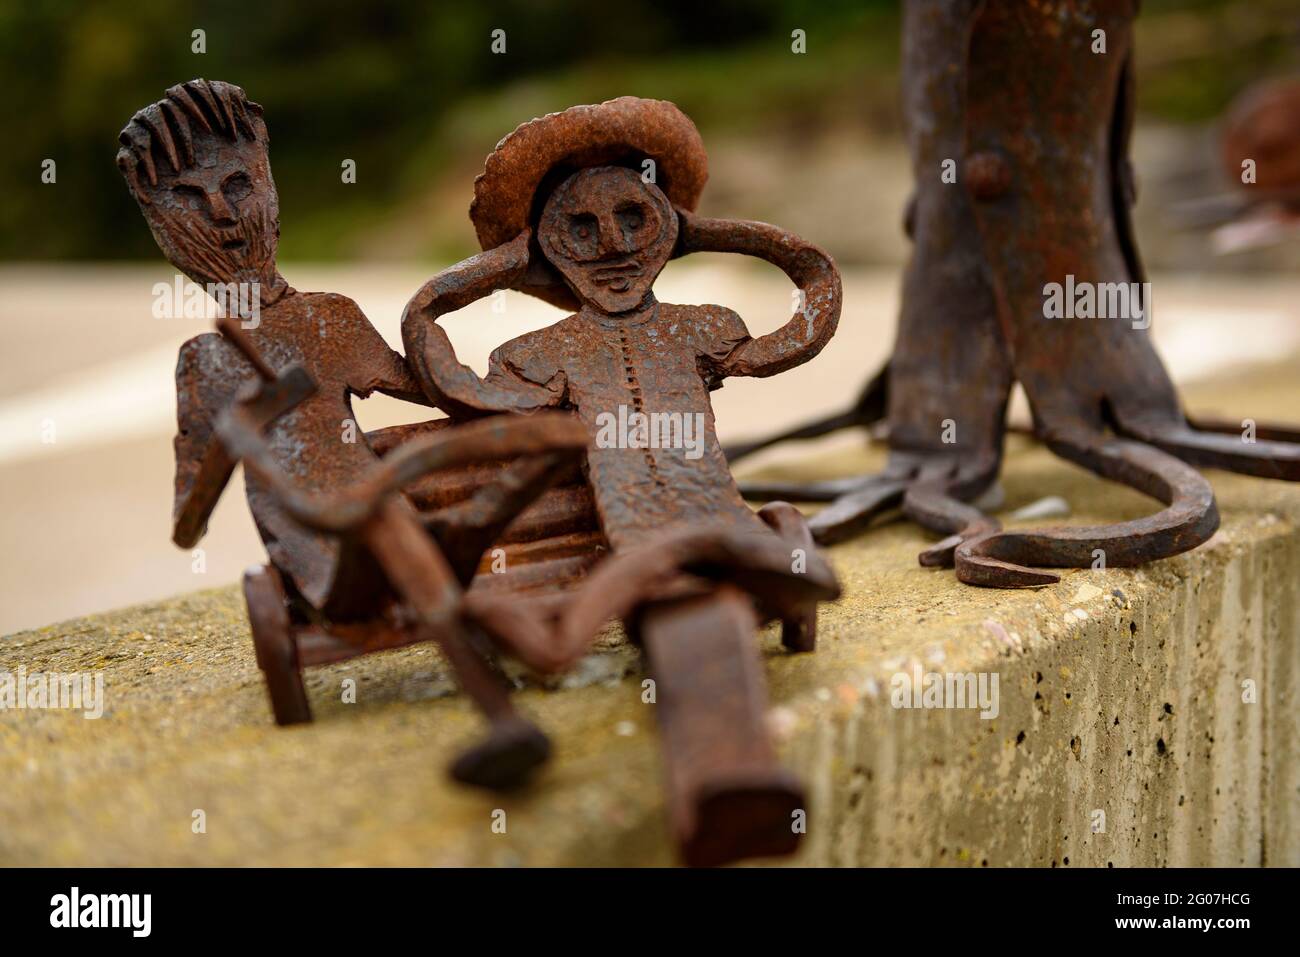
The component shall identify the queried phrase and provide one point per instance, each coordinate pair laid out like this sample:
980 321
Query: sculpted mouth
232 245
617 276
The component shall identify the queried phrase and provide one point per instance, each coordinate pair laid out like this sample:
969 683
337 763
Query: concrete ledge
1121 691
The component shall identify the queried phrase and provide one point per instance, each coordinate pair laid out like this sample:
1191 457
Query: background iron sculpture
1037 115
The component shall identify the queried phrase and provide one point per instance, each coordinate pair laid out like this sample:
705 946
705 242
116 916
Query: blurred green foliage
1194 56
370 81
408 89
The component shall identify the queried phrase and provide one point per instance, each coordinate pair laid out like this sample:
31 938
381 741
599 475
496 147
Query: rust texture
583 209
1038 122
541 507
353 568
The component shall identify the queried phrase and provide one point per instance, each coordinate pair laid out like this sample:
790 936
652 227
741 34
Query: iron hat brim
529 163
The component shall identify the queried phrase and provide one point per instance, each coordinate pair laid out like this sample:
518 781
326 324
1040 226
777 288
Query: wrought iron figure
352 569
567 209
197 164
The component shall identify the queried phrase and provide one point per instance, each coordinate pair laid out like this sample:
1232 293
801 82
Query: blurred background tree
412 93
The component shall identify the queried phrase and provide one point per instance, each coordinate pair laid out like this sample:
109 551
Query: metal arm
809 268
453 386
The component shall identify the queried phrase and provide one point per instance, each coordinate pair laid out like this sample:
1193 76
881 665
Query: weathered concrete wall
1143 710
1121 691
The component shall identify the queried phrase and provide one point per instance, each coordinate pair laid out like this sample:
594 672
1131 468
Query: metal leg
728 798
798 633
273 642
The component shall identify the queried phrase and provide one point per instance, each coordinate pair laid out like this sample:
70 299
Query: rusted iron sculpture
421 598
1036 115
351 571
583 208
379 540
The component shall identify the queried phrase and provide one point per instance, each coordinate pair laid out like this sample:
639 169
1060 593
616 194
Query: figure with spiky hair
196 162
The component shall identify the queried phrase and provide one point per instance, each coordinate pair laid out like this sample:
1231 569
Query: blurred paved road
85 517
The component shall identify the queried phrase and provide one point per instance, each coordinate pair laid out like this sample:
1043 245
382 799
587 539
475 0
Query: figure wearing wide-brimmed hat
583 209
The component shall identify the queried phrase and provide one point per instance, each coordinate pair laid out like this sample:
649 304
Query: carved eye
631 217
188 191
583 234
236 188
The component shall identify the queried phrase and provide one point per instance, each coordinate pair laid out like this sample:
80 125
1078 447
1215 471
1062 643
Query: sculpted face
609 234
217 220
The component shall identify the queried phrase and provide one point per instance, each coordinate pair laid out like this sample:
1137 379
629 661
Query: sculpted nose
219 209
612 240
